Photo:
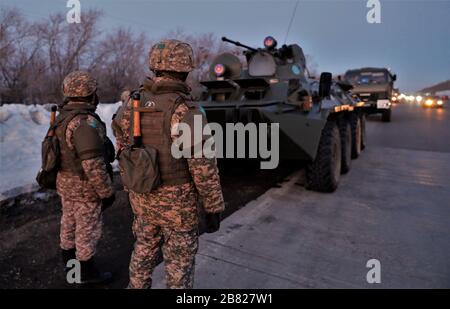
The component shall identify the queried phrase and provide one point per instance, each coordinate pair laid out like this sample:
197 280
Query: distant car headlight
429 102
440 102
419 98
394 99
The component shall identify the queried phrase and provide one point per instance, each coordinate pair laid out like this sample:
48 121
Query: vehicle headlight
439 102
270 42
429 102
419 98
219 69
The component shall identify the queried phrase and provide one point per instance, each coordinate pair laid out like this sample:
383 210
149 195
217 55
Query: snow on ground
22 129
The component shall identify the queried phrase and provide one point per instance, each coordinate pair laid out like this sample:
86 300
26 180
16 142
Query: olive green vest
69 160
158 104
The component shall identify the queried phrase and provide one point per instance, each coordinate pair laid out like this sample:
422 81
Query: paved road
412 127
393 206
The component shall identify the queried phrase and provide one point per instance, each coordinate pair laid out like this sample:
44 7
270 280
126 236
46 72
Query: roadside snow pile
22 128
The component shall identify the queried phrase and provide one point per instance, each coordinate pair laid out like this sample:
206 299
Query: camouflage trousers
178 250
81 227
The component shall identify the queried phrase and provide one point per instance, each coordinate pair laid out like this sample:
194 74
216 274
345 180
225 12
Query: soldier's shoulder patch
92 122
202 110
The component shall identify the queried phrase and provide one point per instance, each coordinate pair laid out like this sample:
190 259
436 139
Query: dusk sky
413 38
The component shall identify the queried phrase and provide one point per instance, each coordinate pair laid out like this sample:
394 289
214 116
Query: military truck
375 87
274 87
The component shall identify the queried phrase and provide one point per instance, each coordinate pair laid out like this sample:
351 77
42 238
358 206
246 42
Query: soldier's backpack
139 163
51 150
46 177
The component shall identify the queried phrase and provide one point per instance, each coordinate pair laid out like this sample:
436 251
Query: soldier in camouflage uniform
83 182
167 218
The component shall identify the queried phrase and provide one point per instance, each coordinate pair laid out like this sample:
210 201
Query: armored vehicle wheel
324 172
346 145
363 130
386 115
355 122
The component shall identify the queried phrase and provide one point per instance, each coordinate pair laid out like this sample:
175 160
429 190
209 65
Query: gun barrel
225 39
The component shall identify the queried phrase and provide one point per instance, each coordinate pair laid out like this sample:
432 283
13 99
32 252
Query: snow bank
22 128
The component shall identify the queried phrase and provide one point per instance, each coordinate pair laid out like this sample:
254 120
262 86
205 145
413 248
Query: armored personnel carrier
319 123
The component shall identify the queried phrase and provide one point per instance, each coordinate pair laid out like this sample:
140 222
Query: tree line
35 56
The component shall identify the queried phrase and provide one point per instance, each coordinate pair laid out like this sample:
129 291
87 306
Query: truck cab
375 87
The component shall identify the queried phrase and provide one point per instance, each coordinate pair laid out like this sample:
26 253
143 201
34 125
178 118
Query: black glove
212 221
107 202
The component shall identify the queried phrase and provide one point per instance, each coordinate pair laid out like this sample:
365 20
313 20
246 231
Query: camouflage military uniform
167 218
81 220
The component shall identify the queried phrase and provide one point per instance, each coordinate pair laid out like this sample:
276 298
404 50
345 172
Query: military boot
66 256
91 275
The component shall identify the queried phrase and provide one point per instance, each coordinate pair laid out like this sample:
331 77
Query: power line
290 22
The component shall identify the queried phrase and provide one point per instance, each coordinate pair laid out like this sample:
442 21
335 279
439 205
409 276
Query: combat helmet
79 84
171 55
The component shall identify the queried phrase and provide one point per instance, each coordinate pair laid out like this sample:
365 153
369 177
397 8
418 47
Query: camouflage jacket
174 205
97 183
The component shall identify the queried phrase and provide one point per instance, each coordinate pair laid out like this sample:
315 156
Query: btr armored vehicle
375 87
318 122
